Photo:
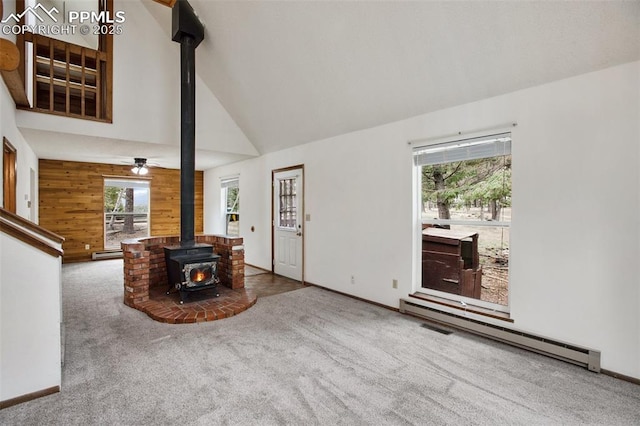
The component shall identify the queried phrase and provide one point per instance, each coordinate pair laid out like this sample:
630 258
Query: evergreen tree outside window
465 188
126 211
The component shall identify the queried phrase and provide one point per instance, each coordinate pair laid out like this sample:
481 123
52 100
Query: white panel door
287 223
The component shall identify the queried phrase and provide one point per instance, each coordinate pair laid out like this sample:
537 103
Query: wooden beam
9 55
16 87
9 63
169 3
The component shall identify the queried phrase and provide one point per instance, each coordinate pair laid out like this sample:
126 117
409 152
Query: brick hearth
145 281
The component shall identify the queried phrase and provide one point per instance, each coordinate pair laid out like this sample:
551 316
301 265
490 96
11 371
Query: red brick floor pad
199 306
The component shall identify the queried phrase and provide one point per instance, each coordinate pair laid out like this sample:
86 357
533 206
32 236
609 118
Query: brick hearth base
146 283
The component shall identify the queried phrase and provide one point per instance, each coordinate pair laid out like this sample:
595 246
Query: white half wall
30 306
576 192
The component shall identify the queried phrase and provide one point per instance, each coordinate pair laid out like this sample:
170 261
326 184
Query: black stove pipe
189 32
187 140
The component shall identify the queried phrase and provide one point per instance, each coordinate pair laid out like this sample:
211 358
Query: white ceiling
292 72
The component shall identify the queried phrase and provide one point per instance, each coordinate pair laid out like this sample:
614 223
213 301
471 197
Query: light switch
307 217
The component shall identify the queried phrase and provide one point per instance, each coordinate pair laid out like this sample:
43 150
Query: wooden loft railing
69 79
30 233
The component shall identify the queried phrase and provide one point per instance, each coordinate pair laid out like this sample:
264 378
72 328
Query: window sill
503 316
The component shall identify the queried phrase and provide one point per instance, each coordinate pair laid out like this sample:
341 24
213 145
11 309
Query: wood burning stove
191 268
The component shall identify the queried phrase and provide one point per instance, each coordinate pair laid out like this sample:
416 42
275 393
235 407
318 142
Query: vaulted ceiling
292 72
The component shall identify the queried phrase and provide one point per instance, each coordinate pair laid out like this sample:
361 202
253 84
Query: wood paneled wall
71 203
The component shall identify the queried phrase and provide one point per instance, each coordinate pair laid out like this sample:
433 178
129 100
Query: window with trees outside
126 211
231 203
287 214
465 192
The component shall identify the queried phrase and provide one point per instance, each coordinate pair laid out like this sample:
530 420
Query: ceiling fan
140 166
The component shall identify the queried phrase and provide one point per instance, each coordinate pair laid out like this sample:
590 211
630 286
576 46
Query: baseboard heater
106 254
585 357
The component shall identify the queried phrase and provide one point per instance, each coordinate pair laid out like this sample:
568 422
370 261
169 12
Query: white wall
29 319
576 191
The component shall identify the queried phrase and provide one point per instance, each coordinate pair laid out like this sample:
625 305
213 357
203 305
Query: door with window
288 201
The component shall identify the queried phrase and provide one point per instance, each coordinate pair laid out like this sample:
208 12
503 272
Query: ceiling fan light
140 167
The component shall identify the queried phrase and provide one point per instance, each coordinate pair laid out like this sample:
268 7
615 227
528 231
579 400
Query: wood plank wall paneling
71 203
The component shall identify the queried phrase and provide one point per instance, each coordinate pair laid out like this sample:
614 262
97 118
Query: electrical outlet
87 246
353 279
395 283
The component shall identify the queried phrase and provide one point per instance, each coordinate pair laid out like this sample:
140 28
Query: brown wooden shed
450 262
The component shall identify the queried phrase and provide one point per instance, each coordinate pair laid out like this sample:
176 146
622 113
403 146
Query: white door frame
301 215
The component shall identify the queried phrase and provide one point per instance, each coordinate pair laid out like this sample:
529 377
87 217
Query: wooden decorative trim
116 177
620 376
31 226
18 233
168 3
9 175
28 397
503 316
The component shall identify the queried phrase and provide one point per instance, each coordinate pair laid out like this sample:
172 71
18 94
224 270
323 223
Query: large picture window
465 193
126 211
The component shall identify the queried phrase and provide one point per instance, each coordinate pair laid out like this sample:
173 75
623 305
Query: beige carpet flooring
304 357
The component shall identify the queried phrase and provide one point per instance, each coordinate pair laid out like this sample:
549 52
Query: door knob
298 234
